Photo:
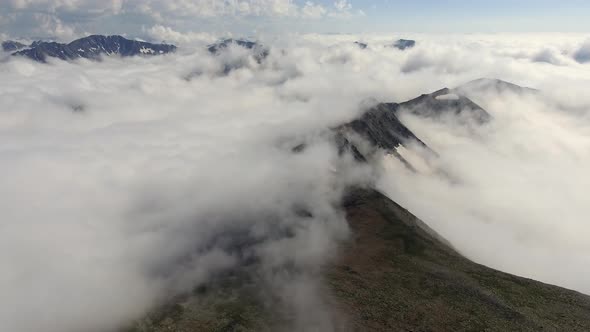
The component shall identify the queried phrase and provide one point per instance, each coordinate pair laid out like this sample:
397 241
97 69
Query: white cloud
133 173
169 35
161 10
511 194
582 55
169 152
206 8
53 6
342 5
312 10
343 9
176 8
53 26
548 55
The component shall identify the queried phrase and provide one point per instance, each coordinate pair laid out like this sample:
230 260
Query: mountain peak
446 101
493 84
403 44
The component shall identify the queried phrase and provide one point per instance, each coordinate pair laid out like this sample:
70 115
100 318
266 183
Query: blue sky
66 19
476 15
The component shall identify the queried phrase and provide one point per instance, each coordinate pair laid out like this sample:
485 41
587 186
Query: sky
63 19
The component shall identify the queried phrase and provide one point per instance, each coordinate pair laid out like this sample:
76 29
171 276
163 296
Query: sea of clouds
124 180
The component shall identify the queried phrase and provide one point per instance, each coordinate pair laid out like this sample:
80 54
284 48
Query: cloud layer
127 180
122 177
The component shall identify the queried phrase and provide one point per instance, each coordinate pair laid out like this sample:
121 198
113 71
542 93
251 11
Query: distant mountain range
95 46
91 47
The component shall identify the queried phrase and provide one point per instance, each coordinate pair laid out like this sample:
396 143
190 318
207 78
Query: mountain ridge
92 47
394 273
382 128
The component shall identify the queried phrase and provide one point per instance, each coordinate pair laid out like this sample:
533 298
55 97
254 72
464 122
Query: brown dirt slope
398 275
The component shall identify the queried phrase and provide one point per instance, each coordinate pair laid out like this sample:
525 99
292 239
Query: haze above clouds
122 176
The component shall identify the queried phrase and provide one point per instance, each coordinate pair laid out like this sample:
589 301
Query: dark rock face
259 51
12 46
362 46
381 127
93 47
403 44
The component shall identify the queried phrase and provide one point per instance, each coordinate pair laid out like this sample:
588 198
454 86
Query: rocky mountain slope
394 273
381 127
